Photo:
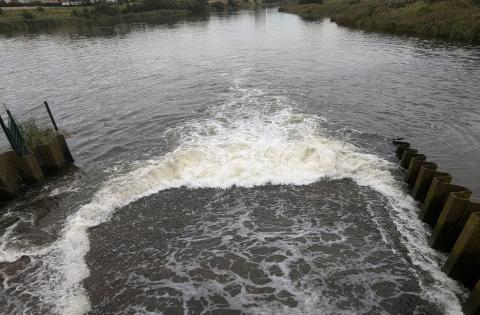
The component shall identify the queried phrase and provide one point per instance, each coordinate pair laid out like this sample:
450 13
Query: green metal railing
13 132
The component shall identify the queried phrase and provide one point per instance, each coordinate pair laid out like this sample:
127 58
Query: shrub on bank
456 20
105 9
27 15
233 5
34 135
191 5
218 6
310 1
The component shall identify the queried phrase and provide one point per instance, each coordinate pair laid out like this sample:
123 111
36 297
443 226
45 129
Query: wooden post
437 196
465 252
406 156
472 304
51 116
469 209
401 146
443 234
414 167
423 181
9 177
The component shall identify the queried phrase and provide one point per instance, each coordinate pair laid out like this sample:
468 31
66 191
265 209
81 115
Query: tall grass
34 134
101 14
455 19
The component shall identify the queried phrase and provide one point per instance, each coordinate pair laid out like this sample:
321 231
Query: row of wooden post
454 218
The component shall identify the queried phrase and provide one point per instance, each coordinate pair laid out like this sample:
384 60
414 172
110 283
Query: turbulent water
240 164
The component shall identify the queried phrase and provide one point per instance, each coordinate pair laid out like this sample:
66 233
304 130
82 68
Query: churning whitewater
255 138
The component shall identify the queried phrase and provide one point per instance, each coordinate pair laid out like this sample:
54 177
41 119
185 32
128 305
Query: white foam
251 140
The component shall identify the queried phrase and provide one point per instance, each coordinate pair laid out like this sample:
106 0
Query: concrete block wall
46 160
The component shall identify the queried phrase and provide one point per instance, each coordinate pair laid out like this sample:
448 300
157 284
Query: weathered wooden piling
401 146
473 275
406 156
437 196
461 262
469 209
423 181
472 304
443 235
9 178
455 219
416 162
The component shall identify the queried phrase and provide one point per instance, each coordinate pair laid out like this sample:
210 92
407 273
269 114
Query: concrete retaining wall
46 160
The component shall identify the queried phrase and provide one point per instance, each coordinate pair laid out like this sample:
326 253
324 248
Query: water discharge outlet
37 152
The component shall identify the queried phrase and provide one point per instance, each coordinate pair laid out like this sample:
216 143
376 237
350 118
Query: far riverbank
453 20
33 19
18 19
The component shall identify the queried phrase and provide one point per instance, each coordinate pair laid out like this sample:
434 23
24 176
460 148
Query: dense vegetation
35 135
148 10
452 19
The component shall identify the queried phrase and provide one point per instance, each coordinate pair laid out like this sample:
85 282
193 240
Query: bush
131 8
85 13
34 135
40 9
233 5
476 2
310 1
105 9
218 6
1 11
27 15
199 6
152 5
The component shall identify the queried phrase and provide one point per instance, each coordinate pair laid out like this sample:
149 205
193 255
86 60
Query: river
239 164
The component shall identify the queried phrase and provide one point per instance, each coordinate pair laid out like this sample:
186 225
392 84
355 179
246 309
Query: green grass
454 19
34 135
31 19
16 14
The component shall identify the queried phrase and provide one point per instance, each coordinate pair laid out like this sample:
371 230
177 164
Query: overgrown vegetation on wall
34 134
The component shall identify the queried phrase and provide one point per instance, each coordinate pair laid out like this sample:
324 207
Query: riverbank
33 19
453 20
17 19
